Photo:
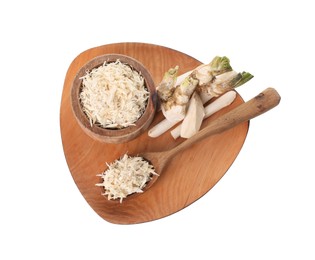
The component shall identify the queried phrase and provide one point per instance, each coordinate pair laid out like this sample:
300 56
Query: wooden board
187 178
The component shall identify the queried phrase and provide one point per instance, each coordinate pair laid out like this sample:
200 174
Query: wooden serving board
188 176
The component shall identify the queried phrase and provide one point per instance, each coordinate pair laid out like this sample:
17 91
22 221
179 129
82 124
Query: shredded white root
126 176
113 95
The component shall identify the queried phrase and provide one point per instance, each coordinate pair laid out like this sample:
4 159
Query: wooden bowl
113 135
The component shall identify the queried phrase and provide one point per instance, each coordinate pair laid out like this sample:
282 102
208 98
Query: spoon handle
258 105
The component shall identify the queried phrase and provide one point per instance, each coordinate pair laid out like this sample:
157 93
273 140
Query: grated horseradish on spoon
126 176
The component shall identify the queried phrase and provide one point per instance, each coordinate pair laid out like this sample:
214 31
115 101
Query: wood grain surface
189 176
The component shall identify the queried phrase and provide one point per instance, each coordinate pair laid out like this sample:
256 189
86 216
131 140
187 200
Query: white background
263 208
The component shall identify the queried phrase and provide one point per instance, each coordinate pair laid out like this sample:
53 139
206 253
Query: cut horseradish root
207 80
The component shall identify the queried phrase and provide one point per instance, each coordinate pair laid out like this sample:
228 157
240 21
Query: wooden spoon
258 105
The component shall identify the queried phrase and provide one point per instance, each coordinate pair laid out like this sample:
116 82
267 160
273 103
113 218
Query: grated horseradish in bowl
113 98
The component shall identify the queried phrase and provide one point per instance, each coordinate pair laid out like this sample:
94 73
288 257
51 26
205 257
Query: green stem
246 76
220 65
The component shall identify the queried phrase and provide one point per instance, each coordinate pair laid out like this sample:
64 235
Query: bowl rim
113 135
